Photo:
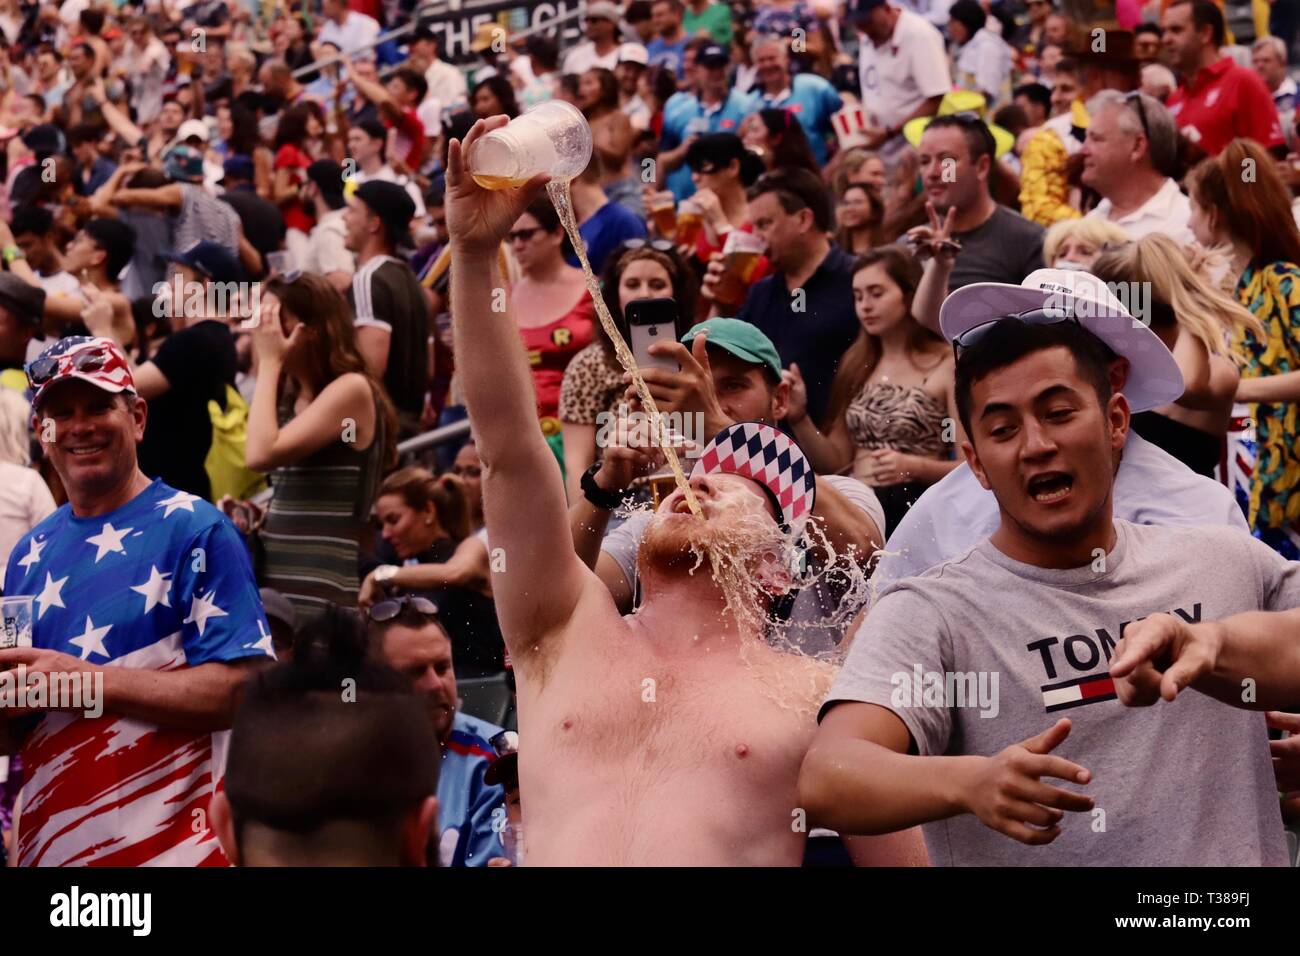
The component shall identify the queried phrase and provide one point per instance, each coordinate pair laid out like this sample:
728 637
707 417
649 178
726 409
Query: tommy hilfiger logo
1081 690
1070 664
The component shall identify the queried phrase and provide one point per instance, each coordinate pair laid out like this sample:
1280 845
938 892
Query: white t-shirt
356 31
903 73
956 513
25 501
584 57
327 249
446 84
1167 211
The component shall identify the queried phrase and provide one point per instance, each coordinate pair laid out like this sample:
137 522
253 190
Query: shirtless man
669 737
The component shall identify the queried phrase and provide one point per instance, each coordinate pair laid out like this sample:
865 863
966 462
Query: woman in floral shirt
1238 201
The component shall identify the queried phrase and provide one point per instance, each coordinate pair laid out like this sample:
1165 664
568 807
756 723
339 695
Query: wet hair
418 488
1008 342
303 756
797 189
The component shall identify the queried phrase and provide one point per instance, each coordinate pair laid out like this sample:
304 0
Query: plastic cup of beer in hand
740 255
552 138
690 224
664 211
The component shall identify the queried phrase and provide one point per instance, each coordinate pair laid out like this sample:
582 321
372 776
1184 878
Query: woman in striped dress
325 429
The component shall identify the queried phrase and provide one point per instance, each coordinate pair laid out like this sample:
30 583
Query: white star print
154 590
91 640
33 555
51 595
202 608
264 645
108 539
181 499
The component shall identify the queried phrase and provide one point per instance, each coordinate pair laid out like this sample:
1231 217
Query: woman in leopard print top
892 422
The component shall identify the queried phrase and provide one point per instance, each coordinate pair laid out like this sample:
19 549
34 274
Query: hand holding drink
740 256
664 210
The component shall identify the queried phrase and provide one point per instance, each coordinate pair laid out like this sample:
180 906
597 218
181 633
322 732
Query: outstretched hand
477 218
1159 656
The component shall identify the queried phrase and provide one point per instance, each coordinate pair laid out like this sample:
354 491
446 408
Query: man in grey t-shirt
949 711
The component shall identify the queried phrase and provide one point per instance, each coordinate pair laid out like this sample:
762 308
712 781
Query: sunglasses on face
387 610
89 360
522 235
1033 317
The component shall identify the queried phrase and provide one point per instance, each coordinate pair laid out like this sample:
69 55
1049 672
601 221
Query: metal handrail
439 436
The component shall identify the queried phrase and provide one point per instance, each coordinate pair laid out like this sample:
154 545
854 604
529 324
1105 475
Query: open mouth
1050 487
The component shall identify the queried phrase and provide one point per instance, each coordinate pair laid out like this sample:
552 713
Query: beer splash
562 200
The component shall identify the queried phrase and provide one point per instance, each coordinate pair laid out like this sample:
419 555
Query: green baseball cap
741 339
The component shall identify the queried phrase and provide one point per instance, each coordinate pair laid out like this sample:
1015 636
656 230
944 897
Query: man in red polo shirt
1216 101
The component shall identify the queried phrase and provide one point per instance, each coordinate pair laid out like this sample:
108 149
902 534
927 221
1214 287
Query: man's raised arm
523 493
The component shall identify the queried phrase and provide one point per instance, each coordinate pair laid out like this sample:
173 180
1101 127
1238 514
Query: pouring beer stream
554 138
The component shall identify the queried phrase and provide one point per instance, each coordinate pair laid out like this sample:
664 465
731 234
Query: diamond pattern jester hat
768 456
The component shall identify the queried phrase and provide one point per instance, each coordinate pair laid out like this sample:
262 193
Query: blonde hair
15 423
1091 229
1199 307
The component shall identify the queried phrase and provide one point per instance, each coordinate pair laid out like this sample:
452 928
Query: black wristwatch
598 496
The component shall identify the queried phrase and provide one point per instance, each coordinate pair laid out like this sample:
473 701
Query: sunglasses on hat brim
975 333
46 368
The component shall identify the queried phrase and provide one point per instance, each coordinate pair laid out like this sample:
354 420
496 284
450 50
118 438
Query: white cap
633 53
1153 379
192 127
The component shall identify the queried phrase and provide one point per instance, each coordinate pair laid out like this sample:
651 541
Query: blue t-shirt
813 101
685 116
605 232
669 55
471 813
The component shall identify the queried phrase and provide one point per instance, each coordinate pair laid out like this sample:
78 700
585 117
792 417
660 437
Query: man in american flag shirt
149 587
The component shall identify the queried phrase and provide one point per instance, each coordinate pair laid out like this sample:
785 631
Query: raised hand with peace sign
935 241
